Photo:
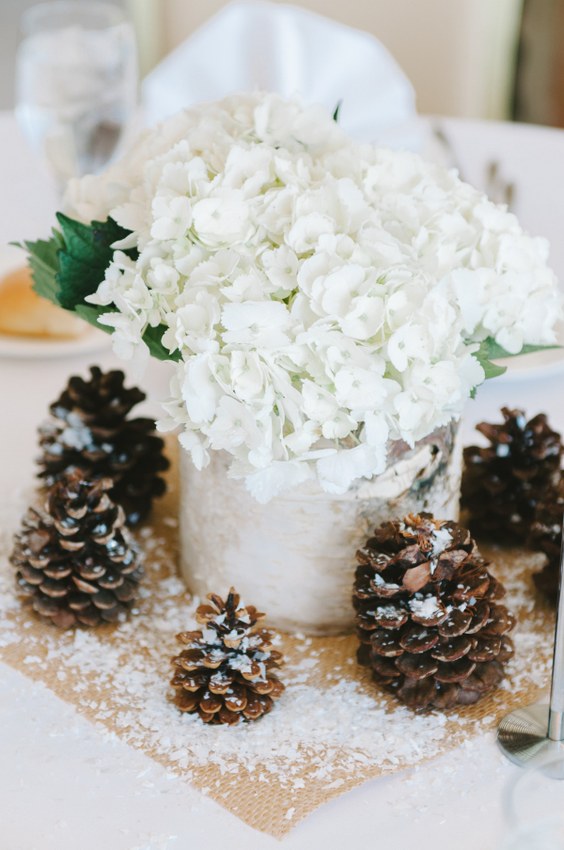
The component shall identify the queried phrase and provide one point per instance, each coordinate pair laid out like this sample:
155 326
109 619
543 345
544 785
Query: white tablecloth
63 783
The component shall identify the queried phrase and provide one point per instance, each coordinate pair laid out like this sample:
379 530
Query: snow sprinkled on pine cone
427 614
226 671
75 560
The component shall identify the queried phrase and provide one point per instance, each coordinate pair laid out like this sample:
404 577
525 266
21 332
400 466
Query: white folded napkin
274 47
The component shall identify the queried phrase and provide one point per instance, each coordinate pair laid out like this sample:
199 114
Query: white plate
538 365
34 349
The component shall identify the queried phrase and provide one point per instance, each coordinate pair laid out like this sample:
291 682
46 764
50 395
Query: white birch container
294 557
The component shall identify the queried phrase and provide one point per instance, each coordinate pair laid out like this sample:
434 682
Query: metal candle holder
530 734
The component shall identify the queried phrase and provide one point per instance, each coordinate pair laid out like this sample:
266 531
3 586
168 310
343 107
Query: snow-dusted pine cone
89 429
502 483
427 613
546 536
75 560
225 672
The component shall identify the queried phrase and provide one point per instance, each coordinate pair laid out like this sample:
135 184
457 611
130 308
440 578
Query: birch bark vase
294 557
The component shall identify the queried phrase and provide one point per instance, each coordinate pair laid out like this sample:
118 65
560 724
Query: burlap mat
272 773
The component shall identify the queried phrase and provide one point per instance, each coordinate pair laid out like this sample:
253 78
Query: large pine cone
225 673
89 429
74 559
546 536
503 483
427 615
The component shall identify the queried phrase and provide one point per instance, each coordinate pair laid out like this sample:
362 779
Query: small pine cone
502 484
102 401
225 671
546 536
89 429
75 560
427 614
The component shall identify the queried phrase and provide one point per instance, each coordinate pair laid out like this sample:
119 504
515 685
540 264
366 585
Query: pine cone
89 429
74 559
502 484
546 536
427 615
224 673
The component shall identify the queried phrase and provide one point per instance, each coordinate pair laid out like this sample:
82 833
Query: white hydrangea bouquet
321 298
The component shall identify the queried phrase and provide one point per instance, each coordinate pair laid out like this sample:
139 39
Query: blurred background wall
539 80
461 55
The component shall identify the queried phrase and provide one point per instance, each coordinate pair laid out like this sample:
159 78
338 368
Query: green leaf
492 370
490 350
484 355
72 263
152 338
84 258
43 261
91 314
494 351
337 110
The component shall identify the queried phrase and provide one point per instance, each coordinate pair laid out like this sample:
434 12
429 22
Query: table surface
61 780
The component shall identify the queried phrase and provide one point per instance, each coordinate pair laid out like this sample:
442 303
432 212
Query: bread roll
24 313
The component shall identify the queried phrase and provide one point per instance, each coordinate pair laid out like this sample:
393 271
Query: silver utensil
499 190
447 147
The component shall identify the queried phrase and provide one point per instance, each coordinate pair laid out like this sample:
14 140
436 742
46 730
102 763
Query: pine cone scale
417 666
479 618
30 575
485 650
56 571
456 671
385 644
453 649
417 639
55 589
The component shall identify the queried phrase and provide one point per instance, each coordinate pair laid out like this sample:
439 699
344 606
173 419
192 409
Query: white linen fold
256 44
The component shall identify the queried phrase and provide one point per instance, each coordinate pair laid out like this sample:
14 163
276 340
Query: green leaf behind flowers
91 312
490 350
72 263
44 264
152 339
152 336
86 255
484 358
494 351
70 266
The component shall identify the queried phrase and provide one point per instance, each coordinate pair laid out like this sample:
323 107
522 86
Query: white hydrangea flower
321 297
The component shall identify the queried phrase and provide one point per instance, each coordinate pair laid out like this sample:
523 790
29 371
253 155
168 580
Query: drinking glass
76 84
